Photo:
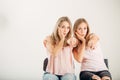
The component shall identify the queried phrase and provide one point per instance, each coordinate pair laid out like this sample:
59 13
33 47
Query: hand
72 41
95 77
61 34
80 37
91 44
92 41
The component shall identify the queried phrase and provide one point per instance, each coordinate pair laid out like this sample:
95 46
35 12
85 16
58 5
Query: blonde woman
59 46
88 53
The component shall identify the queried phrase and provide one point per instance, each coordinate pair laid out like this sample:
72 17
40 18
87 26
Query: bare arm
58 47
53 49
47 44
79 50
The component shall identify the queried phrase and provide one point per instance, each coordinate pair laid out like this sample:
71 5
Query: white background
25 23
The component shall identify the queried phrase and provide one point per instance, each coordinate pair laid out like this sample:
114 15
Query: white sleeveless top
93 60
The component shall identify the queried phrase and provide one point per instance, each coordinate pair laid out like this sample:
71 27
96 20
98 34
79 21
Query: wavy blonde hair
55 36
77 23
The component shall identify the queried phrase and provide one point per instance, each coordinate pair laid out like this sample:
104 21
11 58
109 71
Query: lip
82 35
64 33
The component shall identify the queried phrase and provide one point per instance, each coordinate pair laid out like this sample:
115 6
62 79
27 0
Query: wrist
62 39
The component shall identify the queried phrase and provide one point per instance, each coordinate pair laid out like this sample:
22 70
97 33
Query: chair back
106 62
45 64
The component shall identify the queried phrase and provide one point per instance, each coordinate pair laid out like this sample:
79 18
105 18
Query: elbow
79 60
77 57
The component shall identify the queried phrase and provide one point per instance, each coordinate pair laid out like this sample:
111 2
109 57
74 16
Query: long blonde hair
77 23
55 36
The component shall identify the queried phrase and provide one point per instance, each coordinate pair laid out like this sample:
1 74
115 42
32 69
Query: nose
65 30
82 30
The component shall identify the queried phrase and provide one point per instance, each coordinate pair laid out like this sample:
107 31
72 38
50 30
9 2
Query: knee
106 78
50 77
68 76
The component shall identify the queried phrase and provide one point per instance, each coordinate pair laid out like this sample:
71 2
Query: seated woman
59 47
89 54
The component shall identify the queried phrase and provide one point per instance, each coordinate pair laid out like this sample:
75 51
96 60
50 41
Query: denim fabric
67 76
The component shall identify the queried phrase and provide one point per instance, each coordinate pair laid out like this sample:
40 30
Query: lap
89 74
67 76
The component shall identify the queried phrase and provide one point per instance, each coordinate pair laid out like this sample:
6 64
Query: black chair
46 62
106 62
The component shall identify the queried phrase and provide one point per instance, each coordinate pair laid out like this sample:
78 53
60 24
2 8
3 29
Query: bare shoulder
47 38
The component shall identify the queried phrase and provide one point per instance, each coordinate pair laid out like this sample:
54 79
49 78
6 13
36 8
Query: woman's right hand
61 34
80 37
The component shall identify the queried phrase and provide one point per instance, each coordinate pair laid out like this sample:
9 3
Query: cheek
86 32
78 31
68 30
59 30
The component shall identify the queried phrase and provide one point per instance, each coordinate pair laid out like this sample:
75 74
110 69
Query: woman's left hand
72 41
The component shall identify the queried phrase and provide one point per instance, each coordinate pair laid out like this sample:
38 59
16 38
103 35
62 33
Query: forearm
58 47
51 48
80 51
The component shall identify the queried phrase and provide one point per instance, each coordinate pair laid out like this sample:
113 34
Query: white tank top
93 60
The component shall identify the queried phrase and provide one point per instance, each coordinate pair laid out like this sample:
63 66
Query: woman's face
64 28
82 29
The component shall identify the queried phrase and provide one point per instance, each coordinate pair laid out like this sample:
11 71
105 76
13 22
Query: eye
79 28
62 26
68 27
85 28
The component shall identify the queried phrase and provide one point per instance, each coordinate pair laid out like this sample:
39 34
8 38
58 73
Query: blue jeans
67 76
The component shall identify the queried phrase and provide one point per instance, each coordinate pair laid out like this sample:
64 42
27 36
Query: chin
83 36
